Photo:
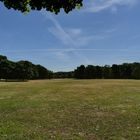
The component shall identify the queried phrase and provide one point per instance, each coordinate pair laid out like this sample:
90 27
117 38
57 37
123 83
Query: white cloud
68 36
100 5
74 32
73 38
60 52
58 31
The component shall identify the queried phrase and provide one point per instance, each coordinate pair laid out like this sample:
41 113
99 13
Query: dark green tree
80 72
136 70
49 5
63 74
6 68
125 71
24 70
115 69
98 72
106 72
43 73
3 58
90 72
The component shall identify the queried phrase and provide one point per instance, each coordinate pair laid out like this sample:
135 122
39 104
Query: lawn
70 110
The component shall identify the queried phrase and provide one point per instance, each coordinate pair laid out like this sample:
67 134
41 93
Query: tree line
60 75
26 70
123 71
22 70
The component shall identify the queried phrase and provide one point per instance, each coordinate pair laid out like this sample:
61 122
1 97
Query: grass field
70 110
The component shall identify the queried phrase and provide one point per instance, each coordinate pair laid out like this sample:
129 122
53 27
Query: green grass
70 110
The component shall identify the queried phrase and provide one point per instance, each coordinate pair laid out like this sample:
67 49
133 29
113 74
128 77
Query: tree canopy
123 71
22 70
48 5
26 70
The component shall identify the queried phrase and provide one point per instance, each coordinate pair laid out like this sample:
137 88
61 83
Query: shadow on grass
13 80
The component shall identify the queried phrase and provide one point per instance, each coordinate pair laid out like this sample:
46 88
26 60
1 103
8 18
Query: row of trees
22 70
25 70
123 71
60 75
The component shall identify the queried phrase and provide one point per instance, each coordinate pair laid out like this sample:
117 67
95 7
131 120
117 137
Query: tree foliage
49 5
22 70
60 75
123 71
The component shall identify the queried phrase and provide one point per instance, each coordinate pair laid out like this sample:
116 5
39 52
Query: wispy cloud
62 54
57 30
74 37
100 5
68 50
71 37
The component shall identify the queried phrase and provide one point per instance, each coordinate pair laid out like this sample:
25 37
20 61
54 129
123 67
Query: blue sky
102 32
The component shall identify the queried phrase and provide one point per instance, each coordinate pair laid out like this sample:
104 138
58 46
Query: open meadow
70 110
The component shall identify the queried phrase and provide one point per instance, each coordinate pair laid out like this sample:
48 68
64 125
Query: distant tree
136 70
43 73
123 71
3 58
115 71
90 72
49 5
79 73
98 72
6 69
50 74
63 74
24 70
126 71
106 72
